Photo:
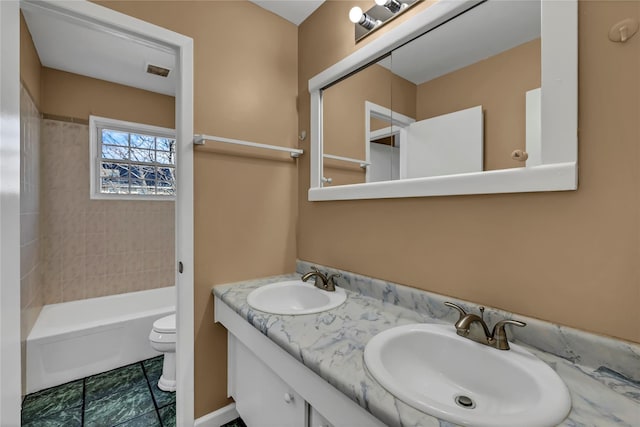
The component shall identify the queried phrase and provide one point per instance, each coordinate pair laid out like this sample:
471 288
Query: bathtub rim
43 331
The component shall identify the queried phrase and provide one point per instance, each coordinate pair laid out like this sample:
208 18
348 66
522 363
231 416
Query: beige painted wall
71 95
245 200
30 67
567 257
499 84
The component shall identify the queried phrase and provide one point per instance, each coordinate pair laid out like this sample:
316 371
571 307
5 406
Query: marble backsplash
608 356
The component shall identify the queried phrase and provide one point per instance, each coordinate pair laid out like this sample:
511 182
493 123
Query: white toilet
163 339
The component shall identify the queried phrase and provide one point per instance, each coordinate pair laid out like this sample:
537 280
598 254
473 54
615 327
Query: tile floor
124 397
235 423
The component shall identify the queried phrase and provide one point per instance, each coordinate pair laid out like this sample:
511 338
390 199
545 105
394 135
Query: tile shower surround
31 291
92 248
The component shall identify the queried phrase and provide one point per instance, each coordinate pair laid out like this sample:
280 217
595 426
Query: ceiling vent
158 70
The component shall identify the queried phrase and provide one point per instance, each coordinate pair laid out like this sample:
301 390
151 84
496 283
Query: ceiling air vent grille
158 70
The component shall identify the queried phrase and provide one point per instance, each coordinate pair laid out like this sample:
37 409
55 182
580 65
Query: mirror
453 109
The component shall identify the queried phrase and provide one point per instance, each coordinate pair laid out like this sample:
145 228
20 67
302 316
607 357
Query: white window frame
95 155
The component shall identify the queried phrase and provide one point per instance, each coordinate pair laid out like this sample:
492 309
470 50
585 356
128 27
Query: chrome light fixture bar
357 16
394 6
384 11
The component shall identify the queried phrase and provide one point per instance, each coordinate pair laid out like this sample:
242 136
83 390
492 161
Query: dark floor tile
235 423
149 419
113 381
153 366
119 407
168 416
66 418
47 402
153 369
162 398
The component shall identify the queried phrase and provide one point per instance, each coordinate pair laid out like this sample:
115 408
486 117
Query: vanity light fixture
357 16
382 12
394 6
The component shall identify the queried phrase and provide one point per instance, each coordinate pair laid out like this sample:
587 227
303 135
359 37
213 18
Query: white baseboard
218 417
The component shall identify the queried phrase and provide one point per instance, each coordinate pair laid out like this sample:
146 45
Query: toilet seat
164 332
165 325
163 339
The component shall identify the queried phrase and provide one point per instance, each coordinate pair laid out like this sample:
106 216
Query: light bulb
393 5
355 14
358 17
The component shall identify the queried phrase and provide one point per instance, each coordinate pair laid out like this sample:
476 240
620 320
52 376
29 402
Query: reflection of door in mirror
346 145
386 134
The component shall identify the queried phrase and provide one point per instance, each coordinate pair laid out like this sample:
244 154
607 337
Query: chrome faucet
322 281
496 338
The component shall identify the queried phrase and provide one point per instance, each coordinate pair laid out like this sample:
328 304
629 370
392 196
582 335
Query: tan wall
245 205
71 95
498 84
566 257
29 63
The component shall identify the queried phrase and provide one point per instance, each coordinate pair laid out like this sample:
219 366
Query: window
131 160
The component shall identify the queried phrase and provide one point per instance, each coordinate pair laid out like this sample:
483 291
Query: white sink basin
428 366
294 297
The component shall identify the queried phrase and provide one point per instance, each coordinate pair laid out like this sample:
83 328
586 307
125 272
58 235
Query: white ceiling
295 11
72 46
482 32
69 45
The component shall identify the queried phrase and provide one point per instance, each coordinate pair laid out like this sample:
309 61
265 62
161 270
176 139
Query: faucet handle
457 307
500 335
331 282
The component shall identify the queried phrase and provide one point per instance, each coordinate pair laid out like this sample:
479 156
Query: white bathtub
76 339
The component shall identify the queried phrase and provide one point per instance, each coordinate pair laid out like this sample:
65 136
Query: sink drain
465 402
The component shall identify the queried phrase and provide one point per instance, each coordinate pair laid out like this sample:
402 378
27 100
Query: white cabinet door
262 398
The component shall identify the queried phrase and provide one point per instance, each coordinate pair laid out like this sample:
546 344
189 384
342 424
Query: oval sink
294 297
455 379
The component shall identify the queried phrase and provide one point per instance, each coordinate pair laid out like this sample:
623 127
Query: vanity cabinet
262 398
272 388
316 419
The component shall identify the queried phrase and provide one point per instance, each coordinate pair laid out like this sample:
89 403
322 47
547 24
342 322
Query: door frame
10 351
116 23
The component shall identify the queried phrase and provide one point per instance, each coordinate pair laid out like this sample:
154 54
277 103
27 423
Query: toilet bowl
163 339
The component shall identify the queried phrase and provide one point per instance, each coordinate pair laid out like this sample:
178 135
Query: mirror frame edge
559 169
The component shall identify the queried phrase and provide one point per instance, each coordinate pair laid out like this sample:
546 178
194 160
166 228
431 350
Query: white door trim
10 359
108 20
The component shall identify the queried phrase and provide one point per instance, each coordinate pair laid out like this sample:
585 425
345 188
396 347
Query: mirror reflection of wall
451 69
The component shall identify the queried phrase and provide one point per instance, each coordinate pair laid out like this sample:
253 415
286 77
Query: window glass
134 163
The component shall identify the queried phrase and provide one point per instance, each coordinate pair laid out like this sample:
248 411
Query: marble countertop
332 345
